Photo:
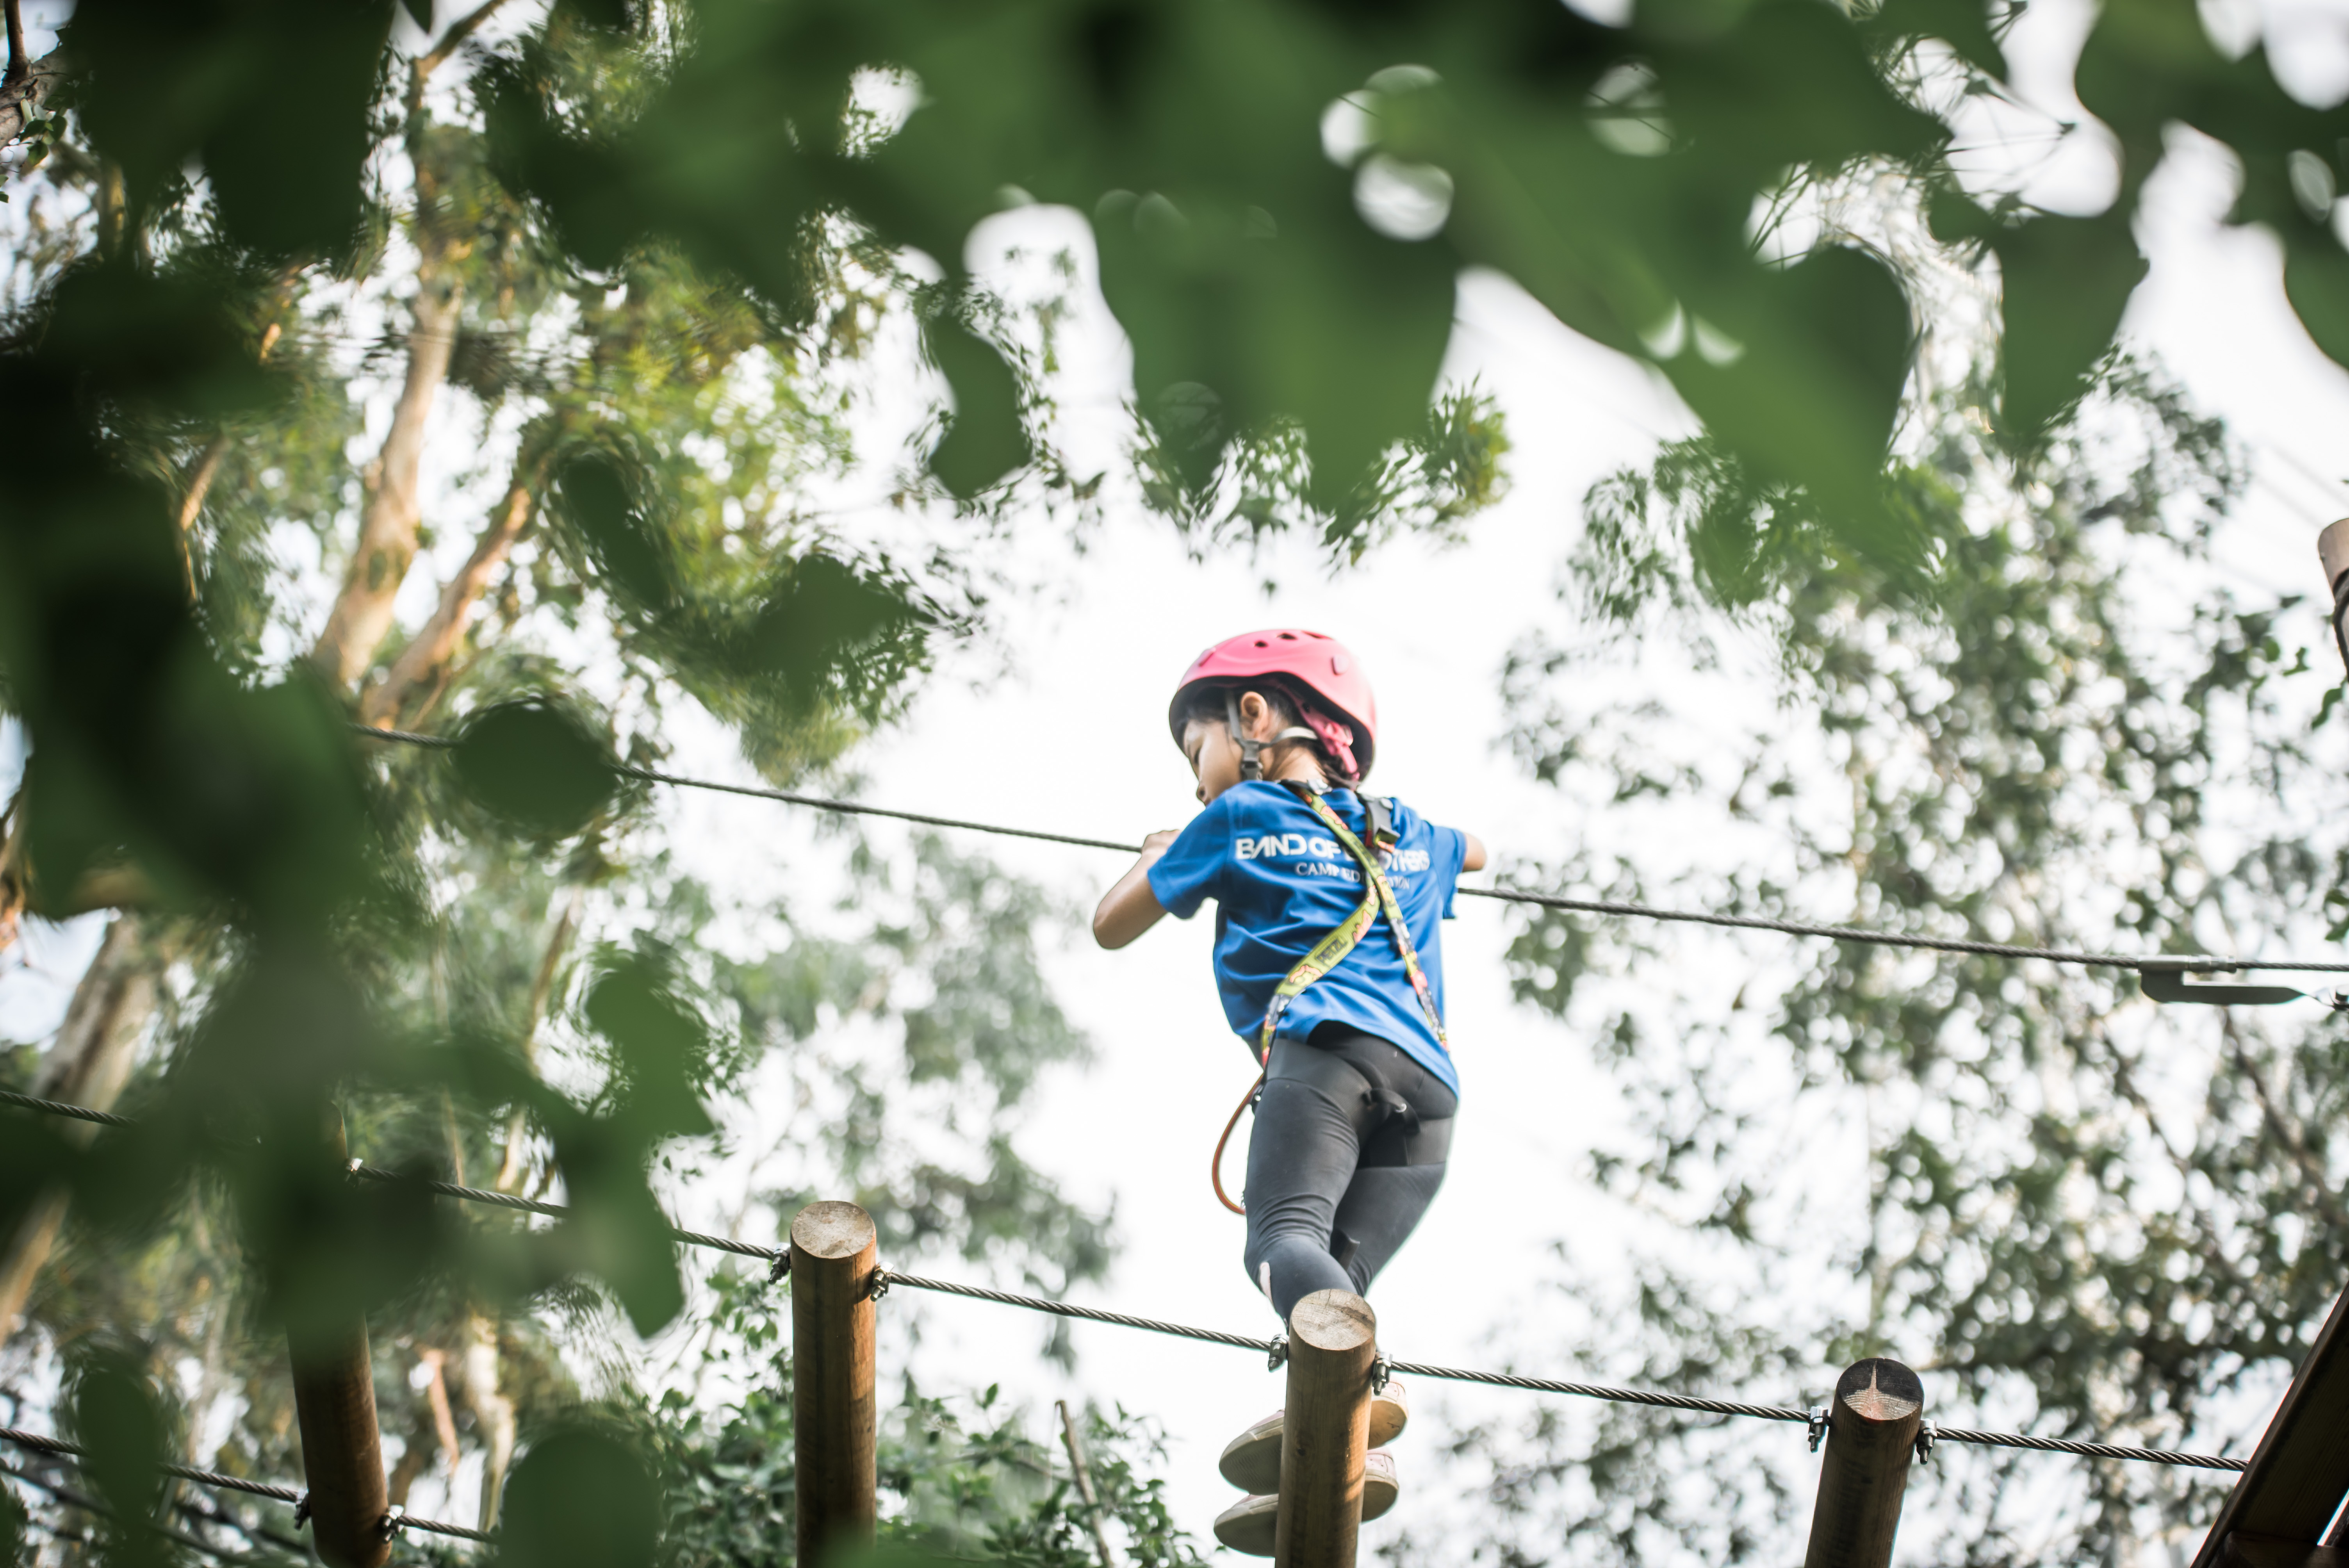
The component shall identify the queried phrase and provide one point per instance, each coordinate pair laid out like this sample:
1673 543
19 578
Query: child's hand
1130 908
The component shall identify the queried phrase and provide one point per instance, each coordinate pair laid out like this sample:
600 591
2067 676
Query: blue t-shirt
1281 883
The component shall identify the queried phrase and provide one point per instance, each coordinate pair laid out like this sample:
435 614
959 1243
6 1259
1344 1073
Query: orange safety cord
1215 1164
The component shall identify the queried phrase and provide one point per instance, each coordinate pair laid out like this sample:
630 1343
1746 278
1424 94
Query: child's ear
1253 709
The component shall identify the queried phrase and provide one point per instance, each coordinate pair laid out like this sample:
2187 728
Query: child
1353 1115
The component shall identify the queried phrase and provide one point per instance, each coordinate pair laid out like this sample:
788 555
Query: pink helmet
1323 664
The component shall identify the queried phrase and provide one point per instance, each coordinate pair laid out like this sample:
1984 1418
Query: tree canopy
653 247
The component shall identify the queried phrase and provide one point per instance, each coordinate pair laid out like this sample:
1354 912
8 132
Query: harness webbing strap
1331 952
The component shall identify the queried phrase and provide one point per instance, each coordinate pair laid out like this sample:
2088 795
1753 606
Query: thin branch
2287 1129
449 42
20 64
22 91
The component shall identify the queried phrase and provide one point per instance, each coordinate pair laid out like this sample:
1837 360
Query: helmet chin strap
1252 749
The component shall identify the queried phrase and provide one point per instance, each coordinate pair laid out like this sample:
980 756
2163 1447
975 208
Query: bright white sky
1073 740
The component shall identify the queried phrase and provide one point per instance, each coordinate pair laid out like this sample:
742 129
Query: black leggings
1348 1151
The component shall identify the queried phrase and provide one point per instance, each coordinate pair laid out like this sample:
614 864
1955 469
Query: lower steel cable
884 1278
39 1443
1553 1386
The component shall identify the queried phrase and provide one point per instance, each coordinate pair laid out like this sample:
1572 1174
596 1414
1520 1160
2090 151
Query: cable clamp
877 1289
1278 1347
351 1168
1926 1434
2336 1000
302 1511
393 1523
1817 1421
1381 1373
780 1268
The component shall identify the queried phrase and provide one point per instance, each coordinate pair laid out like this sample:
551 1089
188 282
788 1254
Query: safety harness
1331 951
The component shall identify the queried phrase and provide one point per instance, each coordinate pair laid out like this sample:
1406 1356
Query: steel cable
884 1278
60 1107
376 1173
554 1211
2091 1450
2197 962
887 1277
73 1499
286 1494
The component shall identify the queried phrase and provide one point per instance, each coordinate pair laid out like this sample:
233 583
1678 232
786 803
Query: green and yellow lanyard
1331 952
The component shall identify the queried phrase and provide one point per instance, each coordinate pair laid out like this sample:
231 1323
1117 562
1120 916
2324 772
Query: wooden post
2333 553
2300 1472
334 1400
835 1253
1872 1426
1326 1430
2267 1552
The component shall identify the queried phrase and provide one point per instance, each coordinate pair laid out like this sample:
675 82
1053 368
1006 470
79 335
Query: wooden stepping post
1326 1430
1872 1426
2333 553
334 1401
835 1254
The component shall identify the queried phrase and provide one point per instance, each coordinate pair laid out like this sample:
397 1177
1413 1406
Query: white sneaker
1248 1525
1251 1461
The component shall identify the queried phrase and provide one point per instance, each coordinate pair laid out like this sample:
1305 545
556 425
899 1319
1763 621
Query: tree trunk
422 665
12 891
87 1066
542 991
207 466
493 1413
387 544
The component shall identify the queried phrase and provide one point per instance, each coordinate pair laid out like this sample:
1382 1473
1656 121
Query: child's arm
1473 858
1130 908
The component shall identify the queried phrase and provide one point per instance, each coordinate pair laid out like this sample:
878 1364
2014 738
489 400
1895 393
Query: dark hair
1206 702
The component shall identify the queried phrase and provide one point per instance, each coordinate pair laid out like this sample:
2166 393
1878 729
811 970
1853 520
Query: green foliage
1231 248
961 1479
2080 1213
667 225
1430 483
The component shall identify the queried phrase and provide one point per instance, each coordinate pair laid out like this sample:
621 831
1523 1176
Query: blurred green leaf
662 1043
580 1499
536 764
983 440
119 1423
594 496
1963 24
272 96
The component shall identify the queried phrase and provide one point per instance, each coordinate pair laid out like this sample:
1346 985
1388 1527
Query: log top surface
1334 1320
832 1231
2332 549
1880 1389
